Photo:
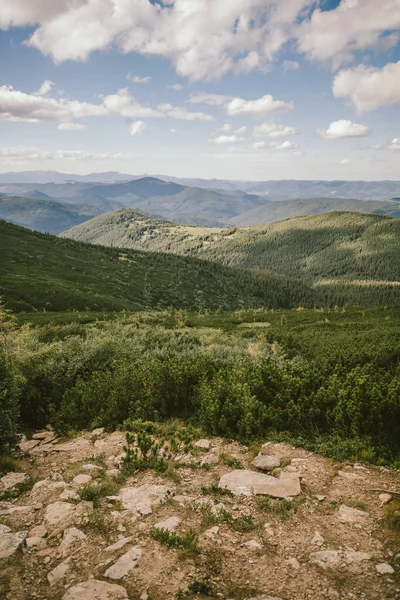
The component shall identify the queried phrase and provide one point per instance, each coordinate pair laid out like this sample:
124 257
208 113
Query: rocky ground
286 524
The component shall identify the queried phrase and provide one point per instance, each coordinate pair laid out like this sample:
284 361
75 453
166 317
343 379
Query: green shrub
187 541
9 403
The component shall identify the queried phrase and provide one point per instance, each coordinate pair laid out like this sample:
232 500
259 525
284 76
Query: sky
229 89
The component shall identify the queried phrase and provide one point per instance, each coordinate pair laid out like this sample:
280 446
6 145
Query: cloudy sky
239 89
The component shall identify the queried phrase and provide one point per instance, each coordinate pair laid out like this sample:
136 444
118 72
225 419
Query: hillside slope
44 215
286 209
351 257
39 271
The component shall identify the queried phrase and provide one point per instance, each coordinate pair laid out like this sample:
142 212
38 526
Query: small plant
214 490
187 541
230 461
243 523
197 588
392 516
7 464
280 508
94 493
143 452
98 522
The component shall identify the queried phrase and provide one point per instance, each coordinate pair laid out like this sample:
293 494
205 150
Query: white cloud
368 87
211 99
290 65
354 25
175 86
137 78
27 153
71 126
258 145
179 113
19 106
262 106
394 144
287 146
226 139
346 161
344 128
45 88
137 128
274 130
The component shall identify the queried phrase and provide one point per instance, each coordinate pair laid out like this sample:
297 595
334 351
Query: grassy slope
40 271
44 215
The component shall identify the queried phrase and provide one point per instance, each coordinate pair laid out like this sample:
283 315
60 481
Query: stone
4 529
385 498
59 572
320 497
294 563
69 495
264 597
82 479
291 469
266 462
212 532
40 435
72 538
384 569
90 467
84 507
252 545
72 446
326 558
353 557
98 431
348 475
140 499
36 543
203 444
124 564
57 513
170 524
249 483
6 511
9 481
317 540
94 589
57 477
10 542
38 531
27 445
351 515
212 458
119 544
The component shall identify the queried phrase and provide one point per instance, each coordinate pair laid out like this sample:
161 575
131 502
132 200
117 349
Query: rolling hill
44 215
286 209
43 272
349 257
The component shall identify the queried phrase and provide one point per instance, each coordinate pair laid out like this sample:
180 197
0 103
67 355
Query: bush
9 403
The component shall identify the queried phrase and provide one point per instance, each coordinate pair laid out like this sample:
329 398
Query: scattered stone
252 545
41 435
124 564
76 444
170 524
10 542
325 558
37 543
72 538
384 569
212 458
82 479
385 498
250 482
291 469
69 495
268 530
94 589
90 467
119 544
320 497
9 481
317 540
27 445
353 557
294 563
59 572
351 515
7 509
203 444
38 531
212 532
58 512
266 462
348 475
83 508
140 499
98 431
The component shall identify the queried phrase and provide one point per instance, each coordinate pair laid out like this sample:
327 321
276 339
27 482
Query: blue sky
262 89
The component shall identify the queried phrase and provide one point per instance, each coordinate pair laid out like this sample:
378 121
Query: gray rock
250 482
89 467
27 445
72 538
94 589
12 479
347 514
82 479
252 545
140 499
266 462
326 558
10 542
384 569
264 597
347 475
4 529
124 564
317 540
170 524
57 513
119 544
35 543
353 557
59 572
294 563
76 444
98 431
203 444
69 494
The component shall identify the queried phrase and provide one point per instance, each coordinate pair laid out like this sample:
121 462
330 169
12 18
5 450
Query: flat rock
353 557
35 543
203 444
384 569
6 511
140 499
347 514
69 494
10 542
249 483
124 564
4 529
317 540
326 558
40 435
72 446
28 445
96 590
385 498
252 545
264 597
90 467
266 462
59 572
38 531
348 475
12 479
119 544
82 479
57 513
98 431
72 537
170 524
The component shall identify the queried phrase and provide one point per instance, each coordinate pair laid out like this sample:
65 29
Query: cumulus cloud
226 139
45 88
211 99
344 128
273 130
369 87
352 26
137 78
290 65
394 144
71 126
137 128
177 87
34 108
27 153
346 161
287 146
262 106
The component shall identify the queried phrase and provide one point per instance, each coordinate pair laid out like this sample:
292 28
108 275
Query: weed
94 493
243 523
18 490
197 588
187 541
392 516
98 522
7 464
214 490
280 508
230 461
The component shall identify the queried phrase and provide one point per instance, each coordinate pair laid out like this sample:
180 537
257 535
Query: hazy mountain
56 177
286 209
44 215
